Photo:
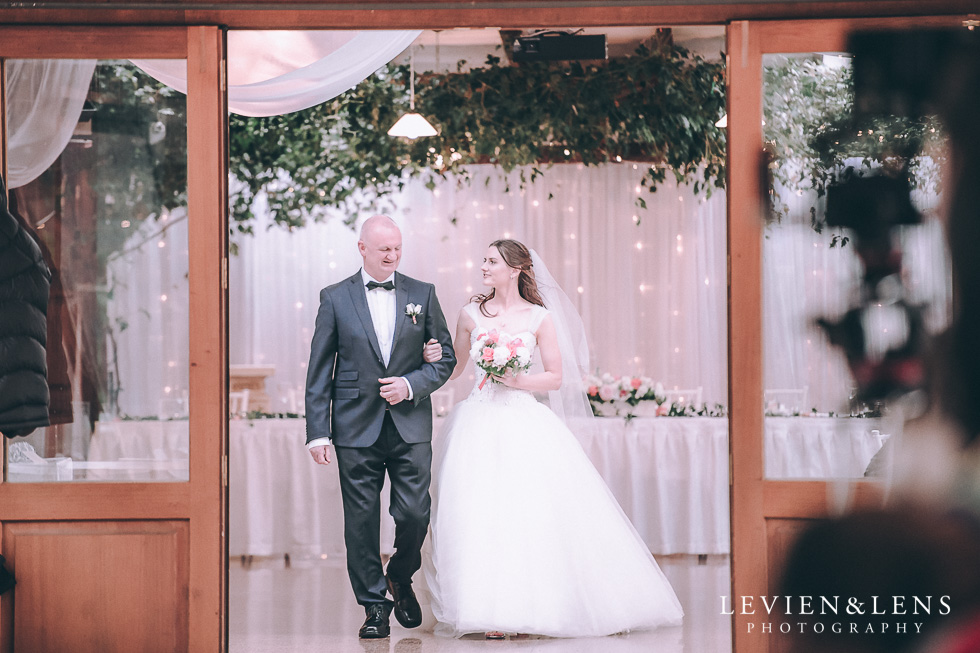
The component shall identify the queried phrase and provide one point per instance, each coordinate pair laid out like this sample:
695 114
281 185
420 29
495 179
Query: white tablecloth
281 501
820 447
670 475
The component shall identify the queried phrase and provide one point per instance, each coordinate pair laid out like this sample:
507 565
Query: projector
559 46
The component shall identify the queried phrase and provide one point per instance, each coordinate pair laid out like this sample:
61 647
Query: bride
526 537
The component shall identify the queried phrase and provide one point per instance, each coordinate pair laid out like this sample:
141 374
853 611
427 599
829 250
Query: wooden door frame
448 14
55 27
202 501
754 499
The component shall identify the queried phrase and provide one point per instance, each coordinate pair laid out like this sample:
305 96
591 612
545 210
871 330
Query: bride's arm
461 344
545 381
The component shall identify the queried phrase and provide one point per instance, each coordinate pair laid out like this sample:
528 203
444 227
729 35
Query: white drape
652 295
276 72
44 101
805 278
148 313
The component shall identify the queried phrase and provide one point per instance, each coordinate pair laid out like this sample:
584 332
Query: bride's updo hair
516 256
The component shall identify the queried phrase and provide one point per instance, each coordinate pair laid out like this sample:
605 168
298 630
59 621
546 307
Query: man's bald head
380 246
375 224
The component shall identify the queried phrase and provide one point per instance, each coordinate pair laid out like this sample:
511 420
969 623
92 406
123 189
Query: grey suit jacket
343 400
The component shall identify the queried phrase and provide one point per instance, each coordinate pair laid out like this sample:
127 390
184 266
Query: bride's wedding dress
526 537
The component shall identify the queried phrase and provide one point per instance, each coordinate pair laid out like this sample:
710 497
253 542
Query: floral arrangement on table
772 409
495 353
620 396
639 396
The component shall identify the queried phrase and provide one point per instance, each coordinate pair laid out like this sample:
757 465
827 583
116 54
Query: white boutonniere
413 311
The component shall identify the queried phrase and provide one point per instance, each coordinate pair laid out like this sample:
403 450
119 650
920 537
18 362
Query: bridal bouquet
496 352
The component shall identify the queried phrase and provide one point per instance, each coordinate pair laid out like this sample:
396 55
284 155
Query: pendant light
412 125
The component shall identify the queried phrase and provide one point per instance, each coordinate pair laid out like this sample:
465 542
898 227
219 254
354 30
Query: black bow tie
387 285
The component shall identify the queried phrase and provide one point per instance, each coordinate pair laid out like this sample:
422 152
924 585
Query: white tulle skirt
527 538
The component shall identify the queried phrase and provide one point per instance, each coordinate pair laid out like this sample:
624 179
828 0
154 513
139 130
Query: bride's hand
432 351
511 380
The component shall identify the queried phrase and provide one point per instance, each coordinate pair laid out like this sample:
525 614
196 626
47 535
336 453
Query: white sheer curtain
805 278
44 101
276 72
653 295
148 317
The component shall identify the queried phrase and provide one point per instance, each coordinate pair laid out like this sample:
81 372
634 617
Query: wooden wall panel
6 604
781 534
445 14
207 192
92 42
745 387
94 587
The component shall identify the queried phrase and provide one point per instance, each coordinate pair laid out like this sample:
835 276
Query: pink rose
636 383
493 336
488 354
593 390
607 392
663 410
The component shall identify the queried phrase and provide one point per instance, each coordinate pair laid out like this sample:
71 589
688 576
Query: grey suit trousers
362 472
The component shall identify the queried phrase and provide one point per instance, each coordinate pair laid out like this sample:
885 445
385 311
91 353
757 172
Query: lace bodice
497 392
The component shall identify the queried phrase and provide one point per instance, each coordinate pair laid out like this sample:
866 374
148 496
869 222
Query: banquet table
670 475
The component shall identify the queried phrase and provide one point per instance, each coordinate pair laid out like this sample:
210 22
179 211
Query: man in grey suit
367 395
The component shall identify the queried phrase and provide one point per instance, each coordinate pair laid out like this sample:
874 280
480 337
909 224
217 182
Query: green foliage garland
812 135
658 106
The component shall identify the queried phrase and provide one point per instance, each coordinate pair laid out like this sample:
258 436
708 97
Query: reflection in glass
97 156
821 420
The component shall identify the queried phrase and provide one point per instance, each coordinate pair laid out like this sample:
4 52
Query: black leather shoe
408 612
376 624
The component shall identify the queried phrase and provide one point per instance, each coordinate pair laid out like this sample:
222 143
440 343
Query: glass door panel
97 170
824 403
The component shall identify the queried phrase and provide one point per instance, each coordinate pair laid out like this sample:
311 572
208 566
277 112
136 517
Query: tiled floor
309 606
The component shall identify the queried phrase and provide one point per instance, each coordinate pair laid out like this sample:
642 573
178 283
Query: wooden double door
119 555
141 566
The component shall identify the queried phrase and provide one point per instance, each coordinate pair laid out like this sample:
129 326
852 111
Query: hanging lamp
412 125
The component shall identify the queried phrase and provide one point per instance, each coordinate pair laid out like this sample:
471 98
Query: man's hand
393 389
321 454
432 351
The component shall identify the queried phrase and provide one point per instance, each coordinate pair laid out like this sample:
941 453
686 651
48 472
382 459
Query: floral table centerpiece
637 396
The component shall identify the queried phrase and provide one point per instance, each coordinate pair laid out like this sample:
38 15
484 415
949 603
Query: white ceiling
473 45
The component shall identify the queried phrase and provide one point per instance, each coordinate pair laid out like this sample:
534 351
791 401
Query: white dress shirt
381 304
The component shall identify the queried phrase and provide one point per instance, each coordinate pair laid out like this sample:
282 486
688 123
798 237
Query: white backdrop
804 278
653 294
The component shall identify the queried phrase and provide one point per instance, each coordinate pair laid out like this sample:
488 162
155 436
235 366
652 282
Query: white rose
608 392
523 356
500 356
658 393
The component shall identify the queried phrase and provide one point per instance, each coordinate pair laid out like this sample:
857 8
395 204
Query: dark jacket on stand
24 283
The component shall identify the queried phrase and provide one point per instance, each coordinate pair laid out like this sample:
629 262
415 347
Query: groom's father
367 395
